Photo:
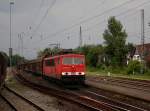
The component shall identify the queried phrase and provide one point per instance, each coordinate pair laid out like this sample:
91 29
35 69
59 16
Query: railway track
88 99
83 101
134 84
11 106
122 106
14 107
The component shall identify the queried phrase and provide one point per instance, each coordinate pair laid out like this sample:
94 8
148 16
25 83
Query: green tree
93 55
115 41
134 67
131 48
84 49
16 59
48 51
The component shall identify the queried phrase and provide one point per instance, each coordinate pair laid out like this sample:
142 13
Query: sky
38 23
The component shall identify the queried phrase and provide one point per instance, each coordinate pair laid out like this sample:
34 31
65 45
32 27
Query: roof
139 49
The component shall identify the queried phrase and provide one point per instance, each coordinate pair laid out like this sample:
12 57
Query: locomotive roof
55 56
64 55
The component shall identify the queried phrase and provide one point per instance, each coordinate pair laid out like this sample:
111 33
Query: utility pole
10 48
80 37
59 45
19 44
142 38
21 37
90 39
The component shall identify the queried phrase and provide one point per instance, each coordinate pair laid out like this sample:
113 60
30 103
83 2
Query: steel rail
9 103
142 82
88 100
81 100
120 104
130 82
126 83
23 98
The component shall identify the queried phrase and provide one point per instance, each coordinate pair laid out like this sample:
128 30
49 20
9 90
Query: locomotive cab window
73 60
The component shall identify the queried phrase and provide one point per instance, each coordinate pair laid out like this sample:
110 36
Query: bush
101 66
92 56
134 67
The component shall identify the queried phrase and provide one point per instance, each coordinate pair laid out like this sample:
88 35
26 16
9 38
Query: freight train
3 68
68 68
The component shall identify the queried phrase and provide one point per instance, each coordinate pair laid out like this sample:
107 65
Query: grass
116 73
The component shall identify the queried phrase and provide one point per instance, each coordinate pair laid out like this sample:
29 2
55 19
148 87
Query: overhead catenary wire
99 23
30 26
91 18
99 30
43 18
99 4
58 32
130 33
37 14
47 13
117 14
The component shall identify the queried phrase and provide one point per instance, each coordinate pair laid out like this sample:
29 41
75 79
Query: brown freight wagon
3 68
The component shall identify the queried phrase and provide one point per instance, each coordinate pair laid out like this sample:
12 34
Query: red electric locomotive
68 68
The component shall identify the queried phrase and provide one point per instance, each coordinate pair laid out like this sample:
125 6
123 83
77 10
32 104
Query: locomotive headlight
82 73
63 73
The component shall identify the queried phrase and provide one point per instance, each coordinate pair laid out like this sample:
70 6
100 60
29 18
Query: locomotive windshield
72 60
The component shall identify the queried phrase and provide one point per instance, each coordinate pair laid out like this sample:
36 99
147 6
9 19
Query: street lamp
10 48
